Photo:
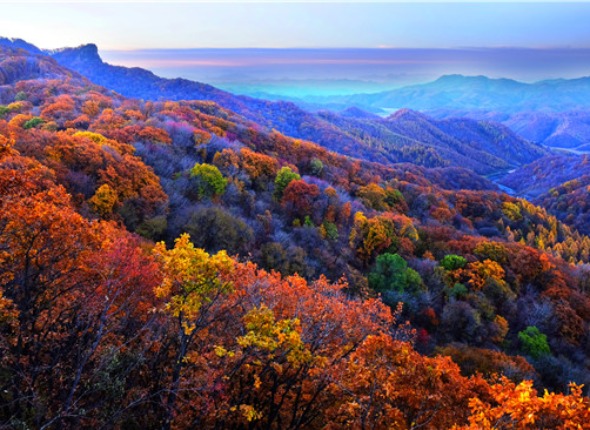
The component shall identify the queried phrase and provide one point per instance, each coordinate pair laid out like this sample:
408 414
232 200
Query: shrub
283 178
453 262
209 180
391 272
33 123
533 342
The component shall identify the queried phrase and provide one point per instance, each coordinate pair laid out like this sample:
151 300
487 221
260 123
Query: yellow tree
104 200
191 287
274 362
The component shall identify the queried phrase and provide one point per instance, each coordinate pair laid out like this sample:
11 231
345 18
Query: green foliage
4 110
391 273
33 123
533 342
330 230
214 229
283 178
498 291
210 181
458 291
316 166
493 251
393 197
20 96
273 256
153 228
453 262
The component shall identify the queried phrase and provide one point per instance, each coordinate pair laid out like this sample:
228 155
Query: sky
301 72
388 43
130 25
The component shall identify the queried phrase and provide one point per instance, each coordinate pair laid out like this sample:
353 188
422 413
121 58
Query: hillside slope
359 137
414 137
558 183
80 166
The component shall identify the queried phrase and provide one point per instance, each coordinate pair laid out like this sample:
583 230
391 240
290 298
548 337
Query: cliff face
84 55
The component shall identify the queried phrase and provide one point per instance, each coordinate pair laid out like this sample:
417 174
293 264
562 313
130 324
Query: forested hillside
484 147
175 264
559 183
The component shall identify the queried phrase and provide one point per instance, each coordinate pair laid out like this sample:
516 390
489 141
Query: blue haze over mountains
537 102
345 71
552 112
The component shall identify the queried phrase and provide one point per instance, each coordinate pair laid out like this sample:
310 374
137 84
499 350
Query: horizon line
375 48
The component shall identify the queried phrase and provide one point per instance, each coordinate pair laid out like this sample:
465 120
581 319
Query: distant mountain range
555 113
483 94
408 136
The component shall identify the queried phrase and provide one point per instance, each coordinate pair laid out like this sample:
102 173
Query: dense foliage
174 265
558 183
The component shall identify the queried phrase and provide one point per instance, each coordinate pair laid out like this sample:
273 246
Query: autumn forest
220 262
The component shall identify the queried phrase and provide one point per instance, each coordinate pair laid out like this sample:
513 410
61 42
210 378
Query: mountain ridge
357 135
284 116
560 107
